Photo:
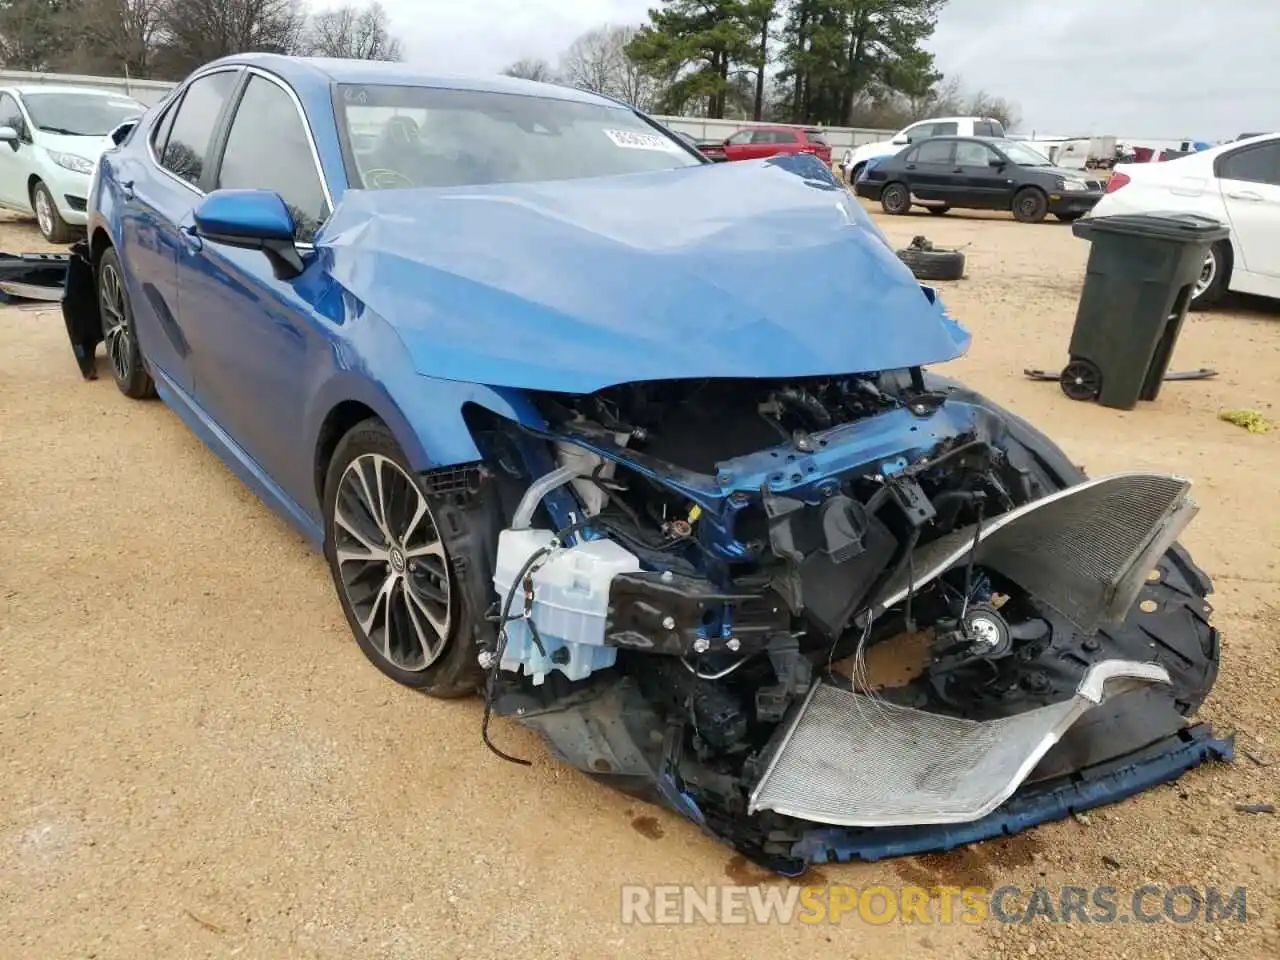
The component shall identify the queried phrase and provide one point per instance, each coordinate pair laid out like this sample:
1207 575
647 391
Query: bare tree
598 61
30 32
197 31
116 36
352 34
531 68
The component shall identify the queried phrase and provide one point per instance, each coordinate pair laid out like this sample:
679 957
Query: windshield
428 137
1024 156
80 114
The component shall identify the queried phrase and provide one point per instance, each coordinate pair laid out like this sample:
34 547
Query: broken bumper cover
851 759
1056 799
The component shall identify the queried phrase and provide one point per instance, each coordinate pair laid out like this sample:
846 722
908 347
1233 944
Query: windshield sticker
631 140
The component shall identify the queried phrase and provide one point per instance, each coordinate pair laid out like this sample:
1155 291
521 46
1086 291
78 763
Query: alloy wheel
44 212
117 336
391 562
1208 273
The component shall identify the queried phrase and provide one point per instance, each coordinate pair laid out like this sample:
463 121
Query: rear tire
895 198
1030 205
398 585
119 332
1214 277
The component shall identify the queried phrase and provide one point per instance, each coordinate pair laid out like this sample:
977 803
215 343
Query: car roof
312 70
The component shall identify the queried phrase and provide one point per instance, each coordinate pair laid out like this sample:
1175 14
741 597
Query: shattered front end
841 617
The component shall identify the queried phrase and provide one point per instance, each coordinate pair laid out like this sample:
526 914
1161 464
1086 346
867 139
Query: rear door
930 170
157 190
736 147
783 141
253 335
1250 183
981 184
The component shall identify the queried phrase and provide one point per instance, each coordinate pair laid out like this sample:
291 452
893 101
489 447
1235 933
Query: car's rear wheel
392 570
50 222
119 334
1030 205
1214 276
895 198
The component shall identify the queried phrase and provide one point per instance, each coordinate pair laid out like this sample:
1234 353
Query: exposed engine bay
693 578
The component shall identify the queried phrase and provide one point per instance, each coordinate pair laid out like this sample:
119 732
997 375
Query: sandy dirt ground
196 760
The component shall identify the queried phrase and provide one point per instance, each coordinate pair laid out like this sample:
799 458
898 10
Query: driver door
15 157
254 336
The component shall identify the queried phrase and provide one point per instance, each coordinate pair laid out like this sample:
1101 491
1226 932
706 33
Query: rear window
988 128
815 136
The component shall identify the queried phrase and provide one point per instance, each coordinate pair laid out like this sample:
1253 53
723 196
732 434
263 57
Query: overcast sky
1133 68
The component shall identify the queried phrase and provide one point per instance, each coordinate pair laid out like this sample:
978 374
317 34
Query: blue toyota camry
644 448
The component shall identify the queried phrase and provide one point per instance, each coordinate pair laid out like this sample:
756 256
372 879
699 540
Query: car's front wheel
119 333
52 226
391 567
1030 205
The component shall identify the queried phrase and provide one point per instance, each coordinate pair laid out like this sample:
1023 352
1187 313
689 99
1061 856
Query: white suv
854 160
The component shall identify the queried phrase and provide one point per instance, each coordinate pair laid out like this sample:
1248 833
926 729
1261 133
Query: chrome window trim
297 105
178 96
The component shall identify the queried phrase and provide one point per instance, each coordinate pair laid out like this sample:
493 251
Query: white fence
153 91
144 91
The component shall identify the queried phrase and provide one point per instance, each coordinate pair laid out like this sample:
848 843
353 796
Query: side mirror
252 220
901 140
10 136
996 163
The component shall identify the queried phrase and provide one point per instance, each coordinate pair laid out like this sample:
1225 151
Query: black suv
978 173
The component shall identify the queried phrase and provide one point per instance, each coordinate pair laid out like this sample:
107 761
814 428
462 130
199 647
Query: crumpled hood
753 269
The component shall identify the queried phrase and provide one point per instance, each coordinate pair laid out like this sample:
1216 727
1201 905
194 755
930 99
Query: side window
921 131
763 136
741 137
193 125
946 129
10 115
1260 164
267 149
160 134
988 128
970 154
784 136
912 156
936 151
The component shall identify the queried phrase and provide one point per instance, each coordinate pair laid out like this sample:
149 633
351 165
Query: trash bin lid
1163 225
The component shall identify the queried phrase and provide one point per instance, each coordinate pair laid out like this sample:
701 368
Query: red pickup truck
753 143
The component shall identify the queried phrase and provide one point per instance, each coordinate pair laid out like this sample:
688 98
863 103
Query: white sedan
50 139
1236 183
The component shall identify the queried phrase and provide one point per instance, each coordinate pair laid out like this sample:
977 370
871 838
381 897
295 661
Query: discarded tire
930 264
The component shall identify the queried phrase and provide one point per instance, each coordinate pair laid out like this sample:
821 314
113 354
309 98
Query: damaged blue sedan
643 450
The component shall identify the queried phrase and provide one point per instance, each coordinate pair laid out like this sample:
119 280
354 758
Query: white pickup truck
853 160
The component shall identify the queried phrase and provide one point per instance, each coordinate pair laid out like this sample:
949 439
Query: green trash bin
1138 284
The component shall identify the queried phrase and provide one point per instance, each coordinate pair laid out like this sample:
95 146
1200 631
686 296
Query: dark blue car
643 447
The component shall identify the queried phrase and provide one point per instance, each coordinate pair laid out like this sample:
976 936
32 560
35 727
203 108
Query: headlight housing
1070 185
71 161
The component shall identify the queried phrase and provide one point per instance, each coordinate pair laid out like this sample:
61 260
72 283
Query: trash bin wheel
1081 380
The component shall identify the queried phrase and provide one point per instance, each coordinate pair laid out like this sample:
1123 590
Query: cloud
1133 68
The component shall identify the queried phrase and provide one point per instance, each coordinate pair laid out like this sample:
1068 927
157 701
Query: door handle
191 238
911 166
126 189
1248 195
958 170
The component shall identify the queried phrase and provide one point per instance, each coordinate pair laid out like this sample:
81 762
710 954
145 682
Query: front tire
1030 205
1211 287
119 332
895 198
48 219
397 584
